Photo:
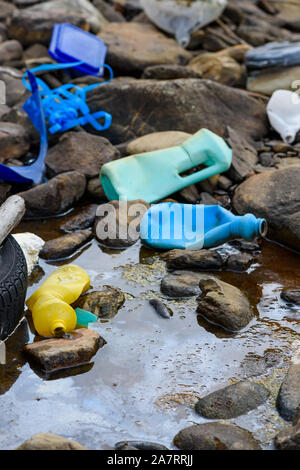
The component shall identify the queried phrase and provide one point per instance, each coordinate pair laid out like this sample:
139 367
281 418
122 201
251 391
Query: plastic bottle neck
248 227
58 328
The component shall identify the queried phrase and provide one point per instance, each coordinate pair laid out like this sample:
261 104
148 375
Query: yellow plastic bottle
50 305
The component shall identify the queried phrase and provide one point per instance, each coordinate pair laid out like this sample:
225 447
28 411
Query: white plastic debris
284 114
31 245
182 17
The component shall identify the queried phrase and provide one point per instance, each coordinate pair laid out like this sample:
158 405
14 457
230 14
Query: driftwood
11 213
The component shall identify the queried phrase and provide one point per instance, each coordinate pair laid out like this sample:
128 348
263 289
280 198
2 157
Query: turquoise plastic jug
193 227
152 176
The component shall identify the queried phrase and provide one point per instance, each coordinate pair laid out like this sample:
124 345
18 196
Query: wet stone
181 283
215 436
243 245
48 441
118 226
66 245
239 262
224 305
198 259
139 445
105 304
280 208
288 399
161 309
84 219
55 196
55 354
254 365
234 400
291 296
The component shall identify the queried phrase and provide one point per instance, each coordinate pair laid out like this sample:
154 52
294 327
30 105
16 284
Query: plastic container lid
72 44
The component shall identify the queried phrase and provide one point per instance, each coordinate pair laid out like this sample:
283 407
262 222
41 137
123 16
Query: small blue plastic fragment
71 44
84 317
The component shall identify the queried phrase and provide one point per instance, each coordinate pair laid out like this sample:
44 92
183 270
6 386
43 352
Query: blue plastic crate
72 44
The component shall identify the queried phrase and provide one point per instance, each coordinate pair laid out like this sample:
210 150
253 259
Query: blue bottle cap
72 44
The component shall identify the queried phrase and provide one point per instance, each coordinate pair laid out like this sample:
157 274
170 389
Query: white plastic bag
284 114
182 17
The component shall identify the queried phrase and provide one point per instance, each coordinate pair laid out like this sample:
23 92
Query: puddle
144 382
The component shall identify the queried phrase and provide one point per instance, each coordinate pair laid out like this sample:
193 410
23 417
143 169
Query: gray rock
208 199
190 194
6 10
95 189
156 141
254 365
82 152
182 283
117 227
3 110
13 141
291 296
84 8
215 436
15 89
239 262
196 259
176 104
288 439
275 196
266 158
244 156
29 26
64 246
224 305
48 441
35 52
4 190
288 399
234 400
139 445
10 50
133 46
108 11
85 218
55 196
170 72
161 308
105 304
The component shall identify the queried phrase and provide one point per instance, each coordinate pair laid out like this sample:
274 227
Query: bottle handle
202 174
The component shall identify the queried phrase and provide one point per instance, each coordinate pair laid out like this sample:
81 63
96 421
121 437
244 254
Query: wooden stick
11 213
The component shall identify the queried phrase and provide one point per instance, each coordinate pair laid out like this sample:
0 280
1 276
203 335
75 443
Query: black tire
13 286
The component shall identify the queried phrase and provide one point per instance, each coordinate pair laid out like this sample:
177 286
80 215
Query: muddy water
144 382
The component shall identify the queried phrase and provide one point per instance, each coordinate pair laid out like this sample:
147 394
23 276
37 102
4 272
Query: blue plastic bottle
193 227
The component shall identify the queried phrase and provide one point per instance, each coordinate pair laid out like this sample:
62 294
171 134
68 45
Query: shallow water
144 382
